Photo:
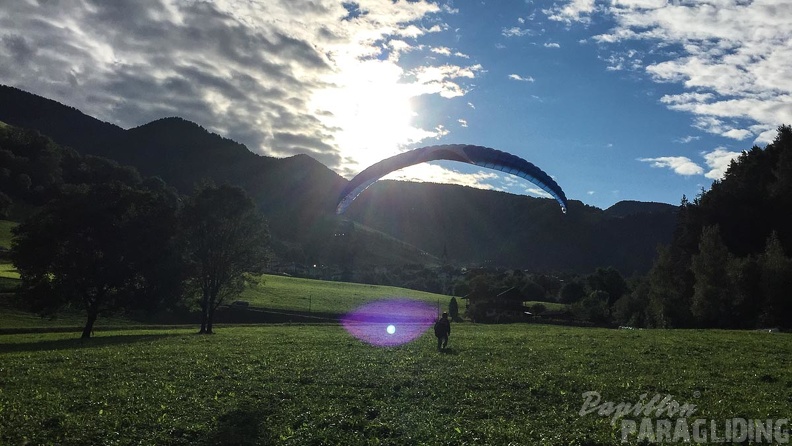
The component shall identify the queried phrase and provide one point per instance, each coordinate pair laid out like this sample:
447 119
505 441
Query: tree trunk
210 320
204 314
89 324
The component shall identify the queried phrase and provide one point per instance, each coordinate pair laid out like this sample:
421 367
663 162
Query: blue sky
617 100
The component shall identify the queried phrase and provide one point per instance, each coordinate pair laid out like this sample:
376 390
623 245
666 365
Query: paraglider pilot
442 329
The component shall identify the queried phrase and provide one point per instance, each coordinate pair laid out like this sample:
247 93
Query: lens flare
389 322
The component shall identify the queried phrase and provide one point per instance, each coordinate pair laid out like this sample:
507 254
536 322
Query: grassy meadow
315 384
293 384
291 293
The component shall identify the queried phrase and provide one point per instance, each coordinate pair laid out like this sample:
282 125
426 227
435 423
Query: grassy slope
331 297
8 275
275 292
302 385
7 271
5 233
13 318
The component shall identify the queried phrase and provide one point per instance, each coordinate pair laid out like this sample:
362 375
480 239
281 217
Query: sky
616 100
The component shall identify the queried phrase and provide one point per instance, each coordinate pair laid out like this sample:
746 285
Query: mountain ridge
298 195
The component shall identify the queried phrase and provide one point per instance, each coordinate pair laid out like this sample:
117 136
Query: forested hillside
480 227
729 262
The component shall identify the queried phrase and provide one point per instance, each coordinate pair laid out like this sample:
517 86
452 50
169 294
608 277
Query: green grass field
317 385
7 271
303 385
291 293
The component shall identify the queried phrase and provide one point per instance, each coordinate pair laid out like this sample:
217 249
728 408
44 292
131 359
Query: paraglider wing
476 155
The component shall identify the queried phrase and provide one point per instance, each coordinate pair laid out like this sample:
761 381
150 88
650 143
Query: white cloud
445 51
442 79
536 191
434 173
718 161
572 11
483 179
552 45
591 192
732 58
738 134
281 76
681 165
714 125
517 77
462 122
440 131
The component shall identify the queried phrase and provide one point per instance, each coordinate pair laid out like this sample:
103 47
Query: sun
369 109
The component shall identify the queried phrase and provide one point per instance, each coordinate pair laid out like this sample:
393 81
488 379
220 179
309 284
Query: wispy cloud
516 31
462 123
687 139
552 45
517 77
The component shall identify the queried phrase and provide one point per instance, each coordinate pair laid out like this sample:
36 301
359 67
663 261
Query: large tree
104 248
775 285
226 240
713 292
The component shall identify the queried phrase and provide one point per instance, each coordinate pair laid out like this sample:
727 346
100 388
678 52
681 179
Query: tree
5 205
533 291
608 280
775 283
631 308
225 238
453 309
572 292
101 247
670 287
712 291
593 308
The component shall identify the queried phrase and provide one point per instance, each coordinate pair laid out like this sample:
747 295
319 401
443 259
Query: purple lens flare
390 322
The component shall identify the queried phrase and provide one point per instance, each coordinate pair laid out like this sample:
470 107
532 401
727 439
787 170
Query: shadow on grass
79 343
244 425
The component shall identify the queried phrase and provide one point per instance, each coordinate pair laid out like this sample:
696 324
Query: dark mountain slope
297 194
66 125
629 207
500 229
401 221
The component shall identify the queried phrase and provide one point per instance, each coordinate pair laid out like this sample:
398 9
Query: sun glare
370 108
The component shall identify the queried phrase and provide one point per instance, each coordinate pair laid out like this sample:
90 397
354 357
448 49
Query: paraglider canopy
476 155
